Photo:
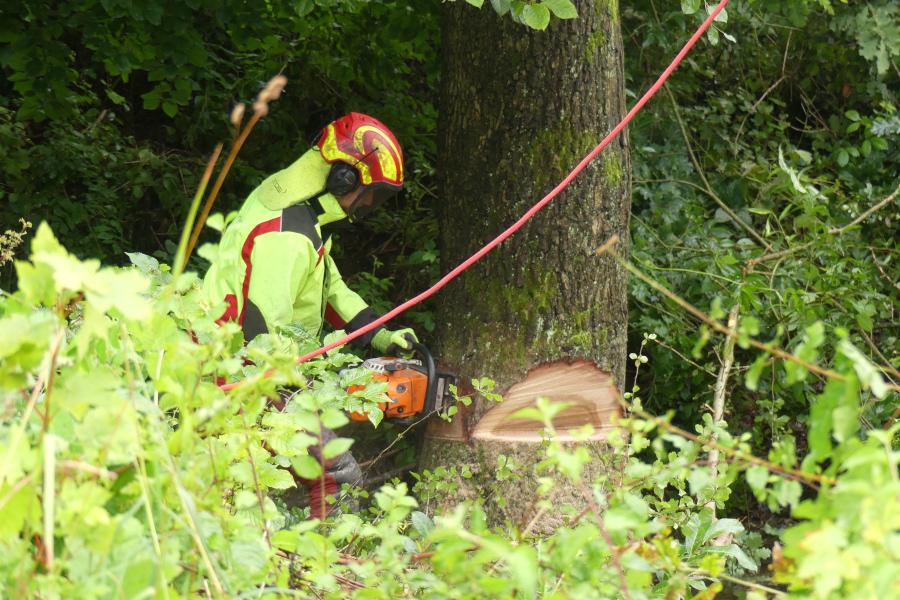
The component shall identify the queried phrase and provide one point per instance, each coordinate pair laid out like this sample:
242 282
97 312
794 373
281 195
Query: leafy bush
126 471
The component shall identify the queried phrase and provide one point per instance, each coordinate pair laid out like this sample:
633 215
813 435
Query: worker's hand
391 342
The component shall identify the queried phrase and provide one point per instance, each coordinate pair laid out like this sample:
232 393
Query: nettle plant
126 472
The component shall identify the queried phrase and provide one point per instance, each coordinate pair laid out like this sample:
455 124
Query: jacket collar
301 181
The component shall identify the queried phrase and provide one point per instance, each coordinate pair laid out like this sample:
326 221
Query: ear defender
342 179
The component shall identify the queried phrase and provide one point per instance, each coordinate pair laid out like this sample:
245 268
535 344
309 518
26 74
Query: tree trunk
542 314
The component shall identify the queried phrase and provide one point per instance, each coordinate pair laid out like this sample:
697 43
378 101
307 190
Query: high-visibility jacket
274 269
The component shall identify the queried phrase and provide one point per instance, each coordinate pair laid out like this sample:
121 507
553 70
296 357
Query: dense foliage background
751 172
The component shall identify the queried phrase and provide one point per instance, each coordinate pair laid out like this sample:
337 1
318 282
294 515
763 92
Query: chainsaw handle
424 353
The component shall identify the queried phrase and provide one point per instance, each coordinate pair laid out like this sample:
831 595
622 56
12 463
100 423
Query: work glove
392 342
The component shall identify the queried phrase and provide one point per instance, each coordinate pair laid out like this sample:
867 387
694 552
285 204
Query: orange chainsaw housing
407 389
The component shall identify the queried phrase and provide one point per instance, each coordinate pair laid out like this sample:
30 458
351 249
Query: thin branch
709 190
16 437
808 478
769 348
833 231
881 270
885 368
684 358
719 399
866 214
623 583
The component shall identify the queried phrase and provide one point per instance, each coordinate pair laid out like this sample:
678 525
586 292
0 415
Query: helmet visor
368 199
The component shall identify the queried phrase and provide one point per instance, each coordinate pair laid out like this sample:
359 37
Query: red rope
525 217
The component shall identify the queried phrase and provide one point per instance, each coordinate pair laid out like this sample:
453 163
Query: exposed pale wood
590 393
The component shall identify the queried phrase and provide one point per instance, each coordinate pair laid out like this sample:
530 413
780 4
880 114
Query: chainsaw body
413 385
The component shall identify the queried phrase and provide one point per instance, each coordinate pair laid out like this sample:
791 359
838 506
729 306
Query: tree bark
519 108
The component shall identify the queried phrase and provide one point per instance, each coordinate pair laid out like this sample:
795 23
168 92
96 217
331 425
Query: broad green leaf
501 7
146 264
757 477
421 522
536 16
689 7
336 447
306 466
561 9
476 3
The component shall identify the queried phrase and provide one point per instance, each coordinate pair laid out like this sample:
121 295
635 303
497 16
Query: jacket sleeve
344 308
280 263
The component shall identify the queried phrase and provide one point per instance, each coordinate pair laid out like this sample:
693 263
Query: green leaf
421 522
689 7
278 479
501 7
306 466
843 158
722 17
536 16
868 373
334 418
336 447
475 3
751 380
146 264
562 9
757 478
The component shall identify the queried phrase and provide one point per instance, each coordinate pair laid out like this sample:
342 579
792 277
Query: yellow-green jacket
274 269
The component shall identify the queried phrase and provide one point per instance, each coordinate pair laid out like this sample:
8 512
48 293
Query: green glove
390 342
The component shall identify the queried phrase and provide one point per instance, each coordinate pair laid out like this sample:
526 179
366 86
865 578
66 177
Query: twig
48 499
77 465
719 398
881 270
866 214
185 246
16 437
684 358
623 583
712 194
802 476
271 92
259 494
833 231
15 489
369 481
885 368
742 582
769 348
768 91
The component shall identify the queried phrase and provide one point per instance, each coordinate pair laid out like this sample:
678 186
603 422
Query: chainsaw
414 385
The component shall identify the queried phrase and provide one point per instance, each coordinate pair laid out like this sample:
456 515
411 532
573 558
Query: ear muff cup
342 179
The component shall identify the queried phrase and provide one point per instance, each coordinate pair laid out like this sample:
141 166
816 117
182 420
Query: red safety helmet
365 157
